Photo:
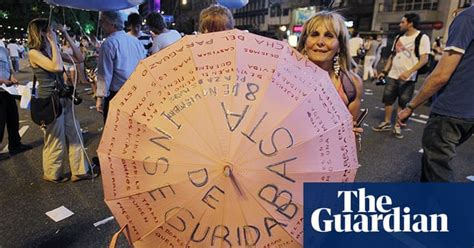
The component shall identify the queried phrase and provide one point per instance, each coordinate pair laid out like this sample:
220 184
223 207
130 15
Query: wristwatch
410 106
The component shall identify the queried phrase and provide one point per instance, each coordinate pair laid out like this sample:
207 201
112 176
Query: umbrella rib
267 211
285 116
296 145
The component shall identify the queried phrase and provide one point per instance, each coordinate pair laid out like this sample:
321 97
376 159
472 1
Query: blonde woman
325 41
60 136
215 18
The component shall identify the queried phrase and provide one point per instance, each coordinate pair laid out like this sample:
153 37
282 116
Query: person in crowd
371 47
215 18
162 36
378 53
437 50
451 121
401 70
69 67
119 54
134 25
90 54
8 109
325 41
355 43
60 136
14 50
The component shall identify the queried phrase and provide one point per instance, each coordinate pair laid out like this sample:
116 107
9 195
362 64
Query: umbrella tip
227 170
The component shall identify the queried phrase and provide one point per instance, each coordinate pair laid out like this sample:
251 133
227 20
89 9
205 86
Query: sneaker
383 126
19 148
397 131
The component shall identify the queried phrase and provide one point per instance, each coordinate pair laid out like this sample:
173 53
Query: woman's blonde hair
35 27
335 23
215 18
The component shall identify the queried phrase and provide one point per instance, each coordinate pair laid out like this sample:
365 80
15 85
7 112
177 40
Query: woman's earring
336 66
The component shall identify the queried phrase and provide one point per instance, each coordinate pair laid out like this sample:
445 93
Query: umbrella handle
113 242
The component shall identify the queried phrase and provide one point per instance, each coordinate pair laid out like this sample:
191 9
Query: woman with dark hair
60 136
325 41
162 36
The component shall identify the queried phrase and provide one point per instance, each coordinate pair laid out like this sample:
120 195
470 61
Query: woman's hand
51 36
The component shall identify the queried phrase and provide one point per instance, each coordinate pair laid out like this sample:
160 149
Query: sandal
58 180
76 178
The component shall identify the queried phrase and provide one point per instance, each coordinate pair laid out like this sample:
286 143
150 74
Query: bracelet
410 106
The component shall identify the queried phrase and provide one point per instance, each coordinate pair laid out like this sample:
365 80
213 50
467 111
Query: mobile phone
361 117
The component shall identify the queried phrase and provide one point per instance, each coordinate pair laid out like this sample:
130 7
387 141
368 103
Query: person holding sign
8 109
325 41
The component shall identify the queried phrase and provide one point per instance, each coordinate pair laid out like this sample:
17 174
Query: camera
76 99
381 81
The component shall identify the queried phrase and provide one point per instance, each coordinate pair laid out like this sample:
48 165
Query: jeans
441 136
15 64
398 88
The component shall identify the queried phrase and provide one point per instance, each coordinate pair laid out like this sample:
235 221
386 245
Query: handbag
44 111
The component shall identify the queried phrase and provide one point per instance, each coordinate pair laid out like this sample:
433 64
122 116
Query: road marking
21 132
369 93
101 222
424 117
418 120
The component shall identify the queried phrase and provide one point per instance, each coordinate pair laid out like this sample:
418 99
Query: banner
388 215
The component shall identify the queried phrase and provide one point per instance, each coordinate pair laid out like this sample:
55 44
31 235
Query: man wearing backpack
451 120
409 54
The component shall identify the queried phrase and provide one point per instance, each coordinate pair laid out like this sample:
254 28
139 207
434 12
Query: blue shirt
5 68
118 57
456 97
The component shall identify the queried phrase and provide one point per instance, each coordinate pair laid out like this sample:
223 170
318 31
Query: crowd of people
324 40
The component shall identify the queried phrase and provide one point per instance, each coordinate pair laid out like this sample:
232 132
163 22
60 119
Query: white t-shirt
164 39
405 57
14 50
354 45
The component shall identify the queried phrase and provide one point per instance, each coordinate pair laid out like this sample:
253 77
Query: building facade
436 15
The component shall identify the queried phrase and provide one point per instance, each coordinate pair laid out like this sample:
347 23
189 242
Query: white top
14 50
2 44
354 44
405 57
164 39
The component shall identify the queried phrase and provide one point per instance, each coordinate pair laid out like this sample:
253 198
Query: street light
184 2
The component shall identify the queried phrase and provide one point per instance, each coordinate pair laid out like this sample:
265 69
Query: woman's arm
38 59
77 56
354 106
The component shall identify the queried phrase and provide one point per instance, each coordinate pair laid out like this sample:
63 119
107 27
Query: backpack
427 67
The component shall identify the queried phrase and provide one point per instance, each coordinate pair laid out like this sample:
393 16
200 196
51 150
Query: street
25 197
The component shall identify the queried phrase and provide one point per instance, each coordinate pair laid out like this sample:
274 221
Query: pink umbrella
210 140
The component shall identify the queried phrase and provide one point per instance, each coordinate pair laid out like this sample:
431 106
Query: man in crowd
134 25
118 57
401 70
162 36
15 51
451 121
8 109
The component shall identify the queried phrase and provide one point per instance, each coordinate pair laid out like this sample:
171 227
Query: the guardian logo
374 214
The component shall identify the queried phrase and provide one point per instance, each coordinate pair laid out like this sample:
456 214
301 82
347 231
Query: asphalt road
25 197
